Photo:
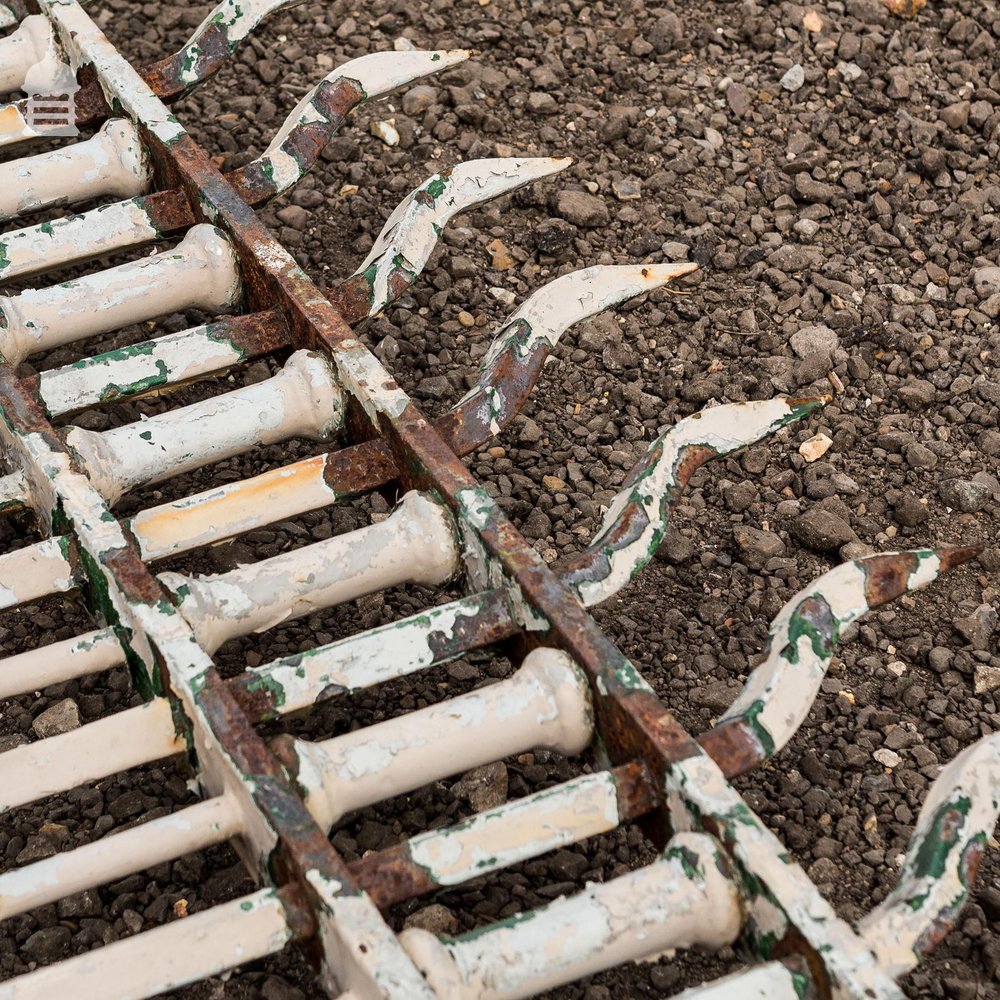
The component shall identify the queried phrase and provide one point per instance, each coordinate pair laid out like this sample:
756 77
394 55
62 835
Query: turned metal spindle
303 399
201 272
545 704
681 900
114 162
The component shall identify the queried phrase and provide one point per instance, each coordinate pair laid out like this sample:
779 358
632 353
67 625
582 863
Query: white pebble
816 447
887 758
794 78
386 131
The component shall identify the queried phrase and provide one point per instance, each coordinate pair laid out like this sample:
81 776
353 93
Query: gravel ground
833 170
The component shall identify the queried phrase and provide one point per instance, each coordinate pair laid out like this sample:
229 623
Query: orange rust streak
162 528
11 121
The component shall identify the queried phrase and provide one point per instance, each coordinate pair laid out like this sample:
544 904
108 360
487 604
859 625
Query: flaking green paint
752 717
115 390
821 637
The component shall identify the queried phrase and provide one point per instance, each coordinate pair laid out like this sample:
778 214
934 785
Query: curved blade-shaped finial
213 41
636 521
511 366
954 827
298 143
404 246
205 52
780 692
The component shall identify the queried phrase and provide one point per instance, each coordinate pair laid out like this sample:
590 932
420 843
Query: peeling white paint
164 839
225 511
32 572
22 49
660 907
370 962
960 812
414 544
411 232
781 690
75 239
771 981
113 162
546 704
696 787
58 662
302 400
723 429
527 828
173 359
365 660
115 743
201 272
164 958
86 44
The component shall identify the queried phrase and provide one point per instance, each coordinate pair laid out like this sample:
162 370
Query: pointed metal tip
501 175
451 57
955 555
802 405
660 274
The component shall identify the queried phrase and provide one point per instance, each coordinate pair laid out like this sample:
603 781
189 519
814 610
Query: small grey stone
626 189
276 988
738 99
987 678
48 944
978 628
956 115
757 547
965 495
989 443
822 530
939 658
991 306
295 216
887 758
811 190
919 456
793 79
484 787
716 696
436 918
582 209
531 433
418 99
675 250
553 235
806 228
542 103
675 548
814 340
986 281
567 866
61 717
956 988
910 512
80 904
916 394
434 387
462 266
537 524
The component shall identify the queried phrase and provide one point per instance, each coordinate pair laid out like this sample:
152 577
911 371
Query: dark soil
862 208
